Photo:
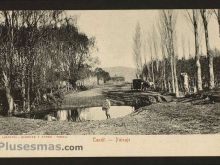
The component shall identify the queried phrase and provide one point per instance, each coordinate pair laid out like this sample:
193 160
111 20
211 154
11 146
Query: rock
50 118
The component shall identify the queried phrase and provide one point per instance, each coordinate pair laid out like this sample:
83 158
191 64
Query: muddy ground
181 116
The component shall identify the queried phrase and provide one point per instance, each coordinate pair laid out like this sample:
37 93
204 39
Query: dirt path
91 97
160 118
88 93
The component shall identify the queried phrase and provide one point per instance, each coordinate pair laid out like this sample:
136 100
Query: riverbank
171 116
161 118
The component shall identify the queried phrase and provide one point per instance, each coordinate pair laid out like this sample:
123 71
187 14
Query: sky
114 31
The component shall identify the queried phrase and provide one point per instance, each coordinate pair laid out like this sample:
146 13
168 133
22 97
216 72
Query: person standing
105 107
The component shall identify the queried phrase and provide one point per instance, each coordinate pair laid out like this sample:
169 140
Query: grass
18 126
162 118
177 117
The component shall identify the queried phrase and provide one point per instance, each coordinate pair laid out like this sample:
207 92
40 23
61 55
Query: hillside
127 72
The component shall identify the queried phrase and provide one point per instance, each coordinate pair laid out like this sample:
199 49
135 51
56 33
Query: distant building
90 81
65 85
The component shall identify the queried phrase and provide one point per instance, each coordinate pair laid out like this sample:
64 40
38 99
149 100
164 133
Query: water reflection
92 113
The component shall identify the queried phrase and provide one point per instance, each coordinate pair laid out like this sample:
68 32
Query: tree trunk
211 72
23 91
175 77
10 101
28 93
219 21
219 25
152 71
32 85
169 87
197 57
164 77
176 86
210 56
172 75
164 70
63 115
199 74
9 97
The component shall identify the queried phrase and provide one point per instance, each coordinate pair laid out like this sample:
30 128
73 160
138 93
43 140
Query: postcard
77 83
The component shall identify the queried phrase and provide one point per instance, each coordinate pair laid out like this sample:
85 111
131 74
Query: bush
55 99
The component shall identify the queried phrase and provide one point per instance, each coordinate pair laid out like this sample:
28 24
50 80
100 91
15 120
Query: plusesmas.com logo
6 146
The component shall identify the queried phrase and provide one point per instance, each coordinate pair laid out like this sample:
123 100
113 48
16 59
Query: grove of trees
36 49
165 66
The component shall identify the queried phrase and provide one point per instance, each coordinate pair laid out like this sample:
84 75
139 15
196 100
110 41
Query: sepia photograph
110 72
